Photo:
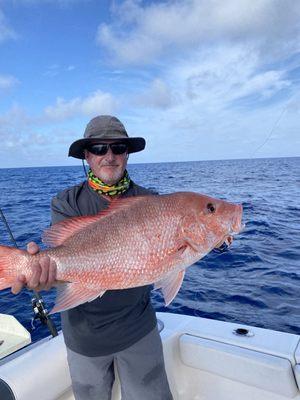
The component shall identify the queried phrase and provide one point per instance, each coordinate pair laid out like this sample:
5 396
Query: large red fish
137 241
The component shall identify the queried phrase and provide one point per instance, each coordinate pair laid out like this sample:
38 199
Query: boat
205 359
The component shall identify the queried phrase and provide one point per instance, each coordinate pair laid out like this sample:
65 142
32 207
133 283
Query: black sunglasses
102 148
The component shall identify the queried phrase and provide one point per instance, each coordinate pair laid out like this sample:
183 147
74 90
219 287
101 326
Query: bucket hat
104 127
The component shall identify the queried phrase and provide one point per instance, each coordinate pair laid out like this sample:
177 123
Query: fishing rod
38 304
84 168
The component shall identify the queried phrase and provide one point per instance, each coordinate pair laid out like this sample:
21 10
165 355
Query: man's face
110 167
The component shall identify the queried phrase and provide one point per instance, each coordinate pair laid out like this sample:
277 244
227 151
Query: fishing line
271 131
275 125
289 102
37 301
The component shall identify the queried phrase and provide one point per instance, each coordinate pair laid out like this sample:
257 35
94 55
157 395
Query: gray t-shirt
119 318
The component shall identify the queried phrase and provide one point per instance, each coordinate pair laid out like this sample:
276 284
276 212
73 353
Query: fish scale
136 242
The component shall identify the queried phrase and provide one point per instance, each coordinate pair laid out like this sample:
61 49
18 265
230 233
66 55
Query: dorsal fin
57 234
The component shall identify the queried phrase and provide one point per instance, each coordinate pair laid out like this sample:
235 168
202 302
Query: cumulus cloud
213 80
96 103
227 74
158 95
24 139
7 82
20 129
16 116
16 128
223 104
141 33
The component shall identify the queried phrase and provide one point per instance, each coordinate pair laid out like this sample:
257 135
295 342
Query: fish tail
9 259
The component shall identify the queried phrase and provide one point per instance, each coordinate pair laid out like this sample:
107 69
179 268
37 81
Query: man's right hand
43 276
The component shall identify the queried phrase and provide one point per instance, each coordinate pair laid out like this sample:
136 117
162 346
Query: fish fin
181 248
170 286
70 295
58 233
8 263
191 231
123 203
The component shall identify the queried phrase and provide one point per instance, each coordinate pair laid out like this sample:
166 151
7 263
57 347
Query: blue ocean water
256 281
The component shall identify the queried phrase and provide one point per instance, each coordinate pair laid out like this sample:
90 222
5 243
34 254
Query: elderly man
120 327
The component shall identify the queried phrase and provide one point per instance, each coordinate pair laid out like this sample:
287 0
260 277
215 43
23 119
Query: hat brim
77 148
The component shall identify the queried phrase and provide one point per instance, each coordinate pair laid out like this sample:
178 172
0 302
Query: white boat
205 360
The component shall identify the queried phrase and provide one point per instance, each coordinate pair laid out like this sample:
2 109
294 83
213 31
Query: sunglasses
102 149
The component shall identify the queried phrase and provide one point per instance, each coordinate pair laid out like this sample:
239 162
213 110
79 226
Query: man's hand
43 276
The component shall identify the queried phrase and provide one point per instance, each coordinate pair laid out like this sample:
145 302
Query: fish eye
211 208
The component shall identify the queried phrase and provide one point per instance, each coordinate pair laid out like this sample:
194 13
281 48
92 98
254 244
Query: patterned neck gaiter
102 188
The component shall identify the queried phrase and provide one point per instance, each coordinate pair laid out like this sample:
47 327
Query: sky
198 79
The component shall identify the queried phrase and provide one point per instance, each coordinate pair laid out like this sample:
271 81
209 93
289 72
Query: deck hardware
243 332
1 342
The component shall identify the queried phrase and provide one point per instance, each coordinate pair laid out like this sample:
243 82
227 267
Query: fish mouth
236 224
236 227
228 239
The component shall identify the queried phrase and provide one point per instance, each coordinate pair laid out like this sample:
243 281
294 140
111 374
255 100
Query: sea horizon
162 162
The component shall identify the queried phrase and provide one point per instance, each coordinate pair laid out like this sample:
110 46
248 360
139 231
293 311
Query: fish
137 241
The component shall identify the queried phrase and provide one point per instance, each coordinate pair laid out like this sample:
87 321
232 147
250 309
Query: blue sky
199 79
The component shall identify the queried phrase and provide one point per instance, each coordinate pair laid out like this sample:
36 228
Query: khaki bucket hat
101 128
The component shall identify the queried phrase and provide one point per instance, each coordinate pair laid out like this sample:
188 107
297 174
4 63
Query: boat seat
264 371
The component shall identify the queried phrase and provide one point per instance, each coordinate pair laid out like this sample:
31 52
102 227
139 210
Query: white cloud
142 33
158 95
227 74
15 117
223 105
94 104
52 70
16 128
212 80
6 32
20 129
56 69
7 82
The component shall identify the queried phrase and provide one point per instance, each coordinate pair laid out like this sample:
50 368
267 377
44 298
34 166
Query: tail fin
10 257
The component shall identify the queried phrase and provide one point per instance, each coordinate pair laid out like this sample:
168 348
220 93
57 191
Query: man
120 327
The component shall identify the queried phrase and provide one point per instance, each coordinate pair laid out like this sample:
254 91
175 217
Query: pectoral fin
170 286
191 232
70 295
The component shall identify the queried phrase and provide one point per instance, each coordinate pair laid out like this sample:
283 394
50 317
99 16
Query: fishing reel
41 313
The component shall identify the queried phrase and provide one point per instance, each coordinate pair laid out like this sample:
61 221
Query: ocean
255 282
